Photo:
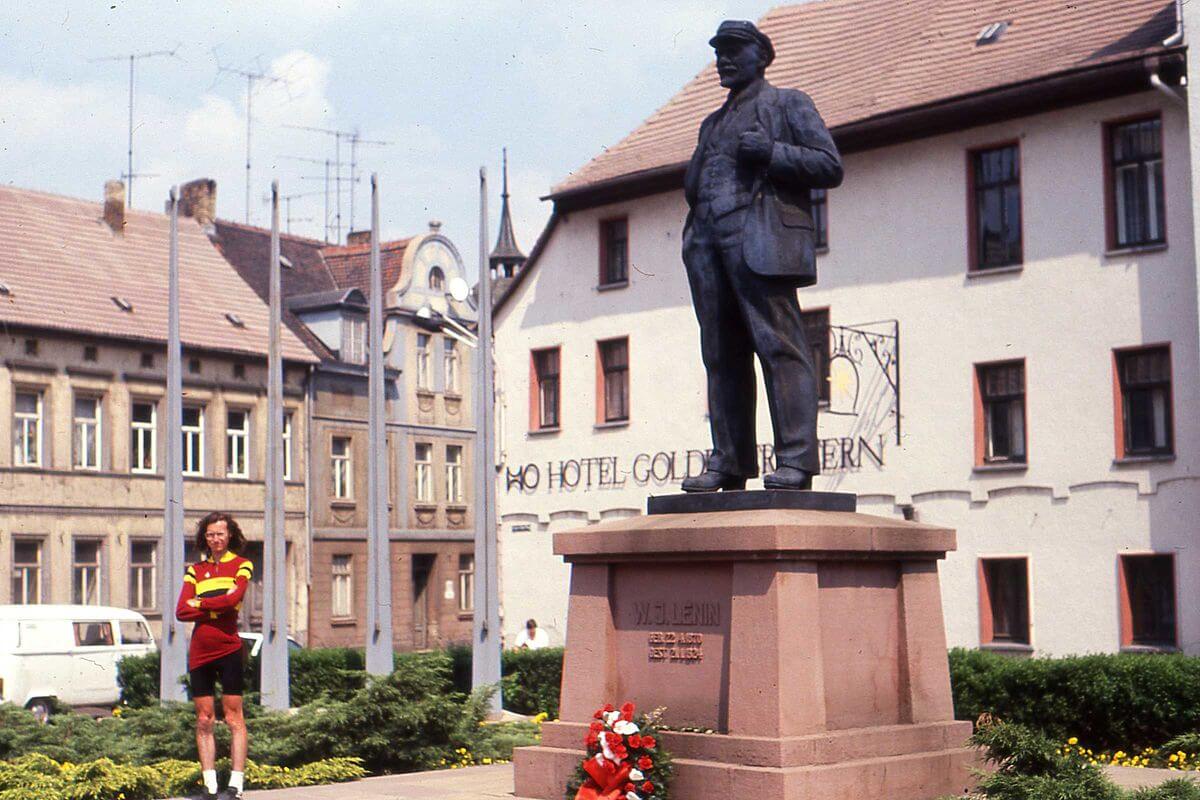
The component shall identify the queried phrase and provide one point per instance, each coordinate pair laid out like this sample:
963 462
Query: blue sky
448 84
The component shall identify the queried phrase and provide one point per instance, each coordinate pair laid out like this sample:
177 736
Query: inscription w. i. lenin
700 614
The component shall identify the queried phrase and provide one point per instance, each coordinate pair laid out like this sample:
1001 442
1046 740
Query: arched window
437 279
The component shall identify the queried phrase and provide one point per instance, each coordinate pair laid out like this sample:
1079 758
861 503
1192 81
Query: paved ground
472 783
490 783
1133 778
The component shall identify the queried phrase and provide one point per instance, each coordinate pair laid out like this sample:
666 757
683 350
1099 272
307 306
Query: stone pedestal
810 643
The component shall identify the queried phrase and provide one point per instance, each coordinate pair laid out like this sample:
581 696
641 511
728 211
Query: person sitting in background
533 637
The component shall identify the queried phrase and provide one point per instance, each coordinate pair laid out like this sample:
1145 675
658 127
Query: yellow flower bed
1150 757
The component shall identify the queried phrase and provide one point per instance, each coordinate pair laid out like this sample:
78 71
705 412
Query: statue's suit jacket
803 157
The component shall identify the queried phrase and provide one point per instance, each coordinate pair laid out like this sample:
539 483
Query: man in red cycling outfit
211 597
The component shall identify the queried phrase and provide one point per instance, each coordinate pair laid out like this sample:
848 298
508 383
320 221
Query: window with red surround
1142 402
612 381
1000 413
614 251
544 388
1148 601
1134 199
1004 601
994 206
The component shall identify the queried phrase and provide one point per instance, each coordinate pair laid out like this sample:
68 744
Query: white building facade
1006 318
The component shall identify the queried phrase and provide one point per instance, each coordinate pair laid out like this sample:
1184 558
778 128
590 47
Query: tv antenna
287 207
133 58
355 140
251 76
326 162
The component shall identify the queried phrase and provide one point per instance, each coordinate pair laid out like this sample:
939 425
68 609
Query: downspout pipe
1176 37
1158 83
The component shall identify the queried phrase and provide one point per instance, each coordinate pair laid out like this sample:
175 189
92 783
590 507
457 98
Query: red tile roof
350 264
863 59
62 265
248 249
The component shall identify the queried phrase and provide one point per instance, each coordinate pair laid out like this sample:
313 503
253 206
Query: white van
66 653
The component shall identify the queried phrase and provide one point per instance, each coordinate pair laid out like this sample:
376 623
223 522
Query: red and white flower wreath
624 760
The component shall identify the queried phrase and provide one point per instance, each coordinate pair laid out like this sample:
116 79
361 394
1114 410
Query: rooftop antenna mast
326 162
355 141
287 208
251 77
133 58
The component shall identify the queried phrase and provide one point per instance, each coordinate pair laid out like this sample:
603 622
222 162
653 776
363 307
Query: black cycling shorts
228 669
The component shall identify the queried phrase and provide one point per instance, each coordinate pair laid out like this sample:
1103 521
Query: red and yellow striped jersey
220 586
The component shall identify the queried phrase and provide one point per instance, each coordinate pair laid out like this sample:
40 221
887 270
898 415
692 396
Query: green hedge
531 678
1127 701
41 777
410 720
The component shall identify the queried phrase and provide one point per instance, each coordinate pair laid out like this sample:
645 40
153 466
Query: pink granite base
810 643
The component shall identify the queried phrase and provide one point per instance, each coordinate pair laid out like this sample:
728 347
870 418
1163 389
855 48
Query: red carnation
629 787
644 763
599 713
635 741
592 740
648 742
596 726
647 788
627 712
608 707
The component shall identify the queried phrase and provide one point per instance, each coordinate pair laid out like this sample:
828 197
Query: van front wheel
40 708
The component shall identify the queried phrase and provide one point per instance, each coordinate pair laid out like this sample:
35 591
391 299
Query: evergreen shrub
1125 700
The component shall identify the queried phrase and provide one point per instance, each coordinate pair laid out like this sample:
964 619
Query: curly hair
237 541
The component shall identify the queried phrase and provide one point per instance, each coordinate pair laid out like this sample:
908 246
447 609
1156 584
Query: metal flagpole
173 648
485 670
379 573
274 672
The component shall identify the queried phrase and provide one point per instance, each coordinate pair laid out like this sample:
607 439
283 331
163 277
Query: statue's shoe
711 481
788 478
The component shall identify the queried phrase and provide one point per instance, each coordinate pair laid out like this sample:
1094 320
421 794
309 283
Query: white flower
635 775
633 796
611 717
625 728
604 748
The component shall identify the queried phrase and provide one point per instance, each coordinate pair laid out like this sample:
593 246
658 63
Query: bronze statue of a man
748 245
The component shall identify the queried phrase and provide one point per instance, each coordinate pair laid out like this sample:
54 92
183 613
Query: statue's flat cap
746 31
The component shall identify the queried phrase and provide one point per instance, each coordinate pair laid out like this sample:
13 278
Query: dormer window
354 339
437 279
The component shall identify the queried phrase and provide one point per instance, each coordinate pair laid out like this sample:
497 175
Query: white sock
210 780
235 780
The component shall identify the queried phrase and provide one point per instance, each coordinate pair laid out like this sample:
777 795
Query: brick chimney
114 205
358 237
198 200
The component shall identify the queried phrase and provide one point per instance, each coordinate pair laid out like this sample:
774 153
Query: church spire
506 258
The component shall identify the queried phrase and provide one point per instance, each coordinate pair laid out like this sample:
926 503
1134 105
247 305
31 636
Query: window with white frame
193 440
27 571
466 582
424 380
354 339
287 445
424 472
450 364
143 574
143 437
342 594
237 438
454 473
85 440
340 467
86 572
27 429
